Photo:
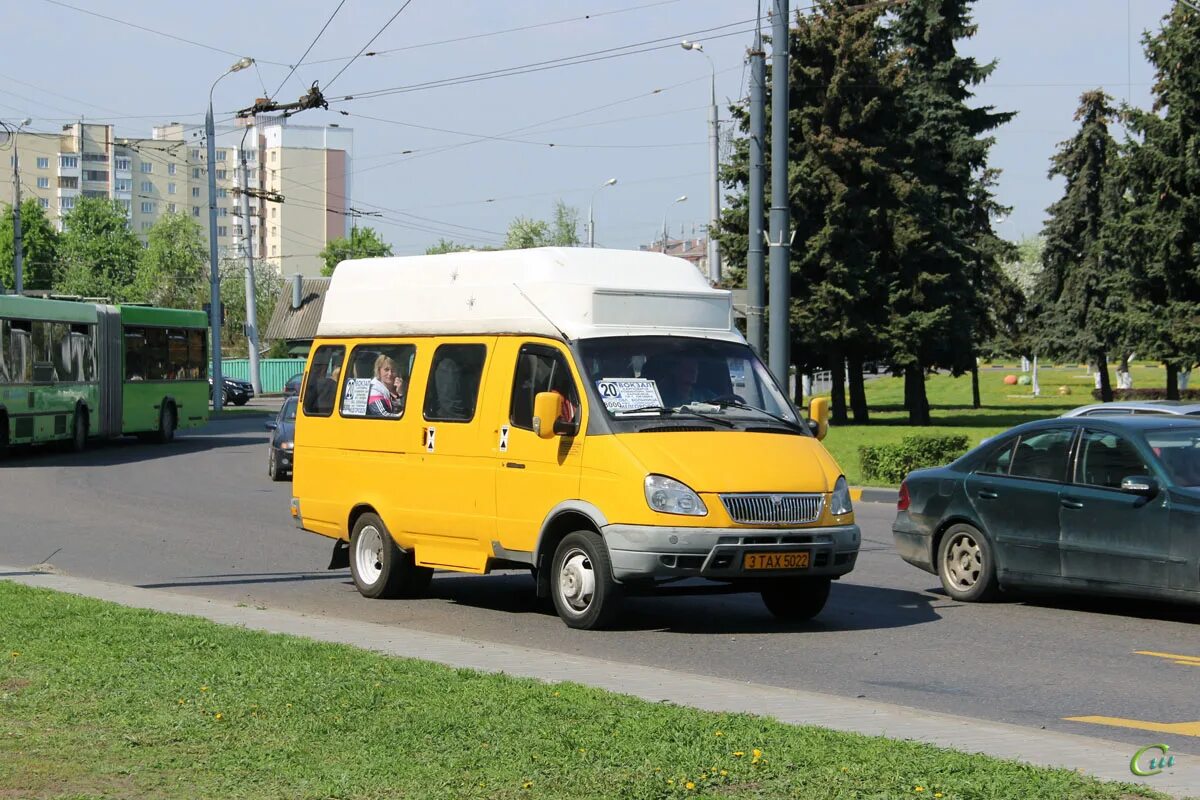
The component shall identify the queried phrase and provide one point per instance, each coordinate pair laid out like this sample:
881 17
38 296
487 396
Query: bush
889 463
1149 393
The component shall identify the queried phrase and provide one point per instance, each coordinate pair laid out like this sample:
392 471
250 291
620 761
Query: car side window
1042 455
454 379
999 460
320 392
541 369
1106 459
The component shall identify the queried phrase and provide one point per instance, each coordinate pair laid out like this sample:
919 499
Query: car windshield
1179 451
640 376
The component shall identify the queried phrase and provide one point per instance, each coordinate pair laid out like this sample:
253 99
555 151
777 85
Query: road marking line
1177 728
1187 661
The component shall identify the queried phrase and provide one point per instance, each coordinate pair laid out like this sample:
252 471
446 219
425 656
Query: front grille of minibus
774 509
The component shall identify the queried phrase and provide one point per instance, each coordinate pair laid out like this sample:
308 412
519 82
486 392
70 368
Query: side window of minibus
454 378
541 369
376 381
320 388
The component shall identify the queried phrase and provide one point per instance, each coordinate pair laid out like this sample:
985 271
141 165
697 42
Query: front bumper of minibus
651 552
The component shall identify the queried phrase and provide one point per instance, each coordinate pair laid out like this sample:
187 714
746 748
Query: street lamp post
591 220
714 200
18 244
214 310
679 199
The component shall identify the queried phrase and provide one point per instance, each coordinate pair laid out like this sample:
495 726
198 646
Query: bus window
320 392
177 354
135 348
197 355
4 337
20 351
157 363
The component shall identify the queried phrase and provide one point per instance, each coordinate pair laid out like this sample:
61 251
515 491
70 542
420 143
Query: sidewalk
1099 757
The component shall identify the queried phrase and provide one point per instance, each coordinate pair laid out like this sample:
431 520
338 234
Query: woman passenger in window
386 397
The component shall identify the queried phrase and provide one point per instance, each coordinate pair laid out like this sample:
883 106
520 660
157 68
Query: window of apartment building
274 250
123 185
68 182
274 209
221 155
195 191
195 211
146 224
147 186
43 162
147 207
123 164
43 183
126 206
196 172
66 203
222 212
221 174
170 208
237 231
68 162
222 230
170 169
251 156
195 154
170 188
147 167
274 153
222 193
43 202
99 176
274 231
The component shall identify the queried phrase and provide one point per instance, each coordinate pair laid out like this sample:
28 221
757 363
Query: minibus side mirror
818 412
546 409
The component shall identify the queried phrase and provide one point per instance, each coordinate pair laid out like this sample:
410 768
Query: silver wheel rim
576 581
271 465
963 563
368 554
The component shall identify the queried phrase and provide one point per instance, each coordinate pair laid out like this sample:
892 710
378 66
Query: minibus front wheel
581 582
379 567
796 599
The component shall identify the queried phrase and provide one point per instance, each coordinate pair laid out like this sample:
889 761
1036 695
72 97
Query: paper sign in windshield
628 394
354 403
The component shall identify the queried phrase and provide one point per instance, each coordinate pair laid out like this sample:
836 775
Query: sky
420 158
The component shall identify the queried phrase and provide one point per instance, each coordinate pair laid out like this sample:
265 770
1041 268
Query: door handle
1068 503
514 465
987 494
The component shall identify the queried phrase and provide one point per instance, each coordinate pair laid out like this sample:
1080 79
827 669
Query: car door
1015 492
1109 535
533 475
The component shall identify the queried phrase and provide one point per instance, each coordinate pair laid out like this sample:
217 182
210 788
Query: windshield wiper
725 402
680 410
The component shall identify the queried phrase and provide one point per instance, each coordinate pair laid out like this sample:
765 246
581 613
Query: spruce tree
1077 308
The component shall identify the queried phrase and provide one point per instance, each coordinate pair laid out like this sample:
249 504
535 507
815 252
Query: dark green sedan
1105 505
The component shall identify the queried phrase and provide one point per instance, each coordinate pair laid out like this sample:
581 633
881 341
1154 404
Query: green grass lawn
97 700
1003 407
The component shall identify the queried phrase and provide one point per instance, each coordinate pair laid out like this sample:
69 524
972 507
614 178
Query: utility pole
251 296
754 265
780 333
18 243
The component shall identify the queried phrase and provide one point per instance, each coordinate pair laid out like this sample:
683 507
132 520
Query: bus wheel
79 431
581 582
166 423
379 567
3 436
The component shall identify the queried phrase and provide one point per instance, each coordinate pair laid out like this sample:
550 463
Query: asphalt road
201 517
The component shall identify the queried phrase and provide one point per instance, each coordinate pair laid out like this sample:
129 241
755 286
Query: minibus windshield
657 375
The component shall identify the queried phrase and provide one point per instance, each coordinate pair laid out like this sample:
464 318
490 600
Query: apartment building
308 166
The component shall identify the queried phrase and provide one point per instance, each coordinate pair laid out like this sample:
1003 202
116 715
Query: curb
872 495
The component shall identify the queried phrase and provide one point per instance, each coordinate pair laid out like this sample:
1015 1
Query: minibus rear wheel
379 567
581 582
796 599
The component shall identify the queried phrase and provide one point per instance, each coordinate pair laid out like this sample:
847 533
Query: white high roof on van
551 291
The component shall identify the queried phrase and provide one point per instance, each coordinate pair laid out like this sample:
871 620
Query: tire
379 567
241 401
79 431
796 599
966 565
5 448
273 468
166 424
581 582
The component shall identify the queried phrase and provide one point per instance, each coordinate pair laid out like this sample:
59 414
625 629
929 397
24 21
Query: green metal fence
274 372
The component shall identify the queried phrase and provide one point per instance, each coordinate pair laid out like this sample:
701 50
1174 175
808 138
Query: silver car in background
1140 407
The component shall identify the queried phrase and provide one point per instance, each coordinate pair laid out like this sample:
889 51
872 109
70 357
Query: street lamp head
609 182
26 121
681 198
686 45
242 63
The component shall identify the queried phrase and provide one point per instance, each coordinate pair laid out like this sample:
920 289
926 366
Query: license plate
775 560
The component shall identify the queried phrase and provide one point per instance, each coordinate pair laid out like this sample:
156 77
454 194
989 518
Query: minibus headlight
839 501
672 497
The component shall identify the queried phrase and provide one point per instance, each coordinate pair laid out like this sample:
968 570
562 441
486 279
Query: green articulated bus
73 370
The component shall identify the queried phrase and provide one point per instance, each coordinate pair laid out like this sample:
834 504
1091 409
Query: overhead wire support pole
755 288
780 241
18 241
248 252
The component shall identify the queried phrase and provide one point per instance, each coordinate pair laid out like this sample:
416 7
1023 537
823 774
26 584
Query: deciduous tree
39 243
98 253
361 243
